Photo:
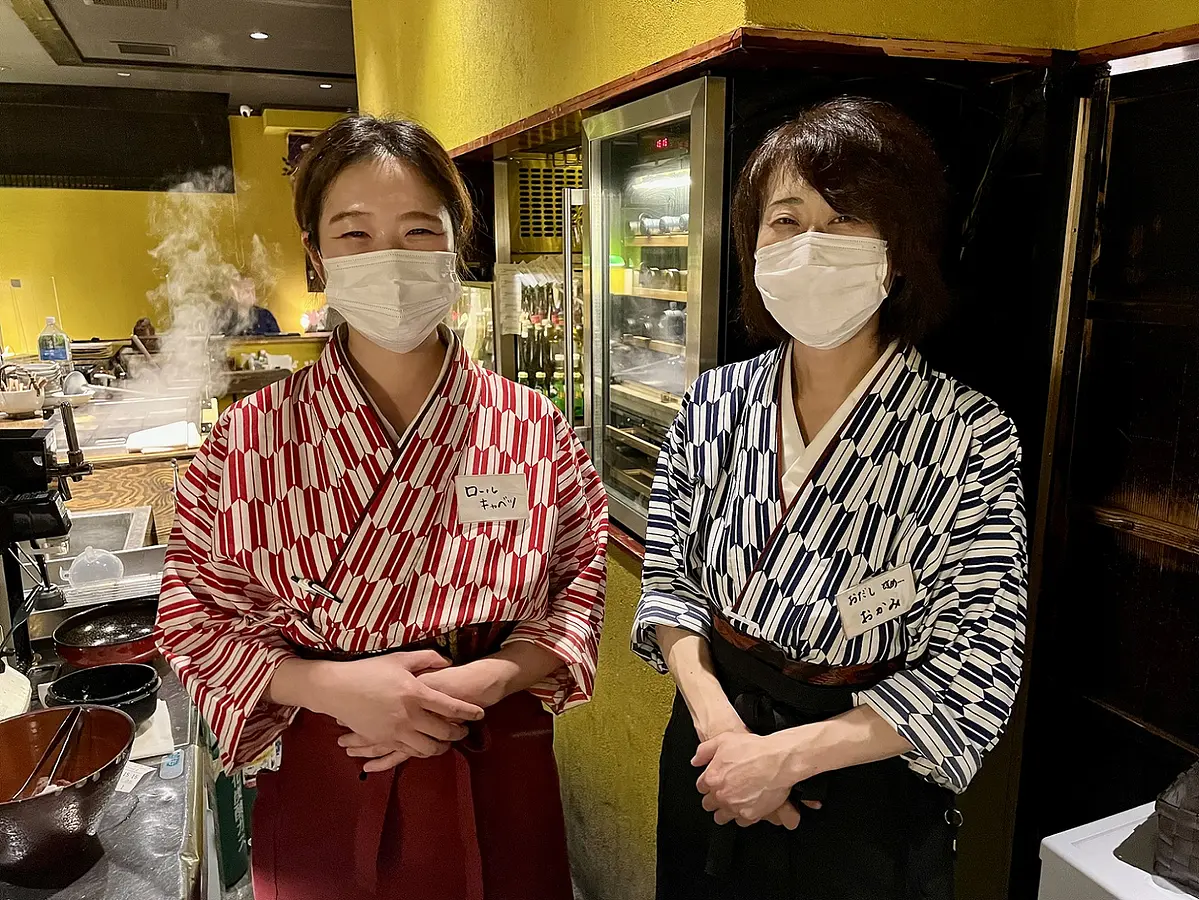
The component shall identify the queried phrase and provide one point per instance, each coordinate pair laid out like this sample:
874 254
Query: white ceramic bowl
21 403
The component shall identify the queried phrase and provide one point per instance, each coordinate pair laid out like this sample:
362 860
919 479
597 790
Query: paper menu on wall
507 296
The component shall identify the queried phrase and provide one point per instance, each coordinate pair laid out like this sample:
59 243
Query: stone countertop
152 837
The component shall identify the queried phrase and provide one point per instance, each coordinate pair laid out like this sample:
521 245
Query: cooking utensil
67 730
74 383
112 633
65 747
130 687
45 832
108 388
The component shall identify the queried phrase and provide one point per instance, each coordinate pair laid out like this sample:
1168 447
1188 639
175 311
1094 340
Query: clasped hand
747 778
405 705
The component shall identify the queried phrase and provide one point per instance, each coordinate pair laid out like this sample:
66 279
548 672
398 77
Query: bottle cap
49 320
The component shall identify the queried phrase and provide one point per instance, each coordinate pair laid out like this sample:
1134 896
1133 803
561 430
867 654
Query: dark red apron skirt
481 822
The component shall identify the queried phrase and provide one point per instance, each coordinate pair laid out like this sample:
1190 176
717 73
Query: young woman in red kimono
393 559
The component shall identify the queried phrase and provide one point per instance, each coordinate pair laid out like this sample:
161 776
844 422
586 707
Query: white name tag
881 599
492 498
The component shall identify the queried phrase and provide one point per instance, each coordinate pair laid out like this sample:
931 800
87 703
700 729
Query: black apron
883 832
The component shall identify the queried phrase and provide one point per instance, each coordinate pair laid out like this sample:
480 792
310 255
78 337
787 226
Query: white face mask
822 288
395 298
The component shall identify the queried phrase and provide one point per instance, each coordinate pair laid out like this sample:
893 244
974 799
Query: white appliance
1111 859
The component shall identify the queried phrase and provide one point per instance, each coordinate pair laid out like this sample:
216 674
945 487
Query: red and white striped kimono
302 526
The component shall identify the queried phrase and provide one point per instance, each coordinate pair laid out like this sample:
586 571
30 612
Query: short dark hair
358 138
868 160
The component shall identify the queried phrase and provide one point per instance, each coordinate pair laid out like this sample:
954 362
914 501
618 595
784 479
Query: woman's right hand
723 718
383 702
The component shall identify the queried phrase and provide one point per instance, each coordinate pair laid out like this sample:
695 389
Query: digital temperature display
663 143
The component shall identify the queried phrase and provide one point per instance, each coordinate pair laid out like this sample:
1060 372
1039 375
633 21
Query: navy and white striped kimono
923 471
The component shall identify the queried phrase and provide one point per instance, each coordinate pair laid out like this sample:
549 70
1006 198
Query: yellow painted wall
94 246
1106 21
466 68
608 757
1018 23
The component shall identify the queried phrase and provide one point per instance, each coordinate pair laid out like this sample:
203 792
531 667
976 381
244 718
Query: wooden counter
140 484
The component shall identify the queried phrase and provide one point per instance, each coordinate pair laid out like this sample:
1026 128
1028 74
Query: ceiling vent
159 5
138 48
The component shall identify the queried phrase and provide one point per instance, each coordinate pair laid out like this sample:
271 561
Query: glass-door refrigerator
473 319
655 174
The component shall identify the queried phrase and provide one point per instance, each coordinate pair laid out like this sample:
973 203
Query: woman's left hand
470 682
379 757
483 683
748 776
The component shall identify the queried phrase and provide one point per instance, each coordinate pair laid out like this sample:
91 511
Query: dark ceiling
186 45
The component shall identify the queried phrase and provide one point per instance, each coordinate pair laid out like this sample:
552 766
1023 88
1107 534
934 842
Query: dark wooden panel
1130 627
1145 527
1143 311
1099 764
1148 221
1113 711
1137 440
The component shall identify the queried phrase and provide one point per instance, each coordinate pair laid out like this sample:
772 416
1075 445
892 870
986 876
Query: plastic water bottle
53 345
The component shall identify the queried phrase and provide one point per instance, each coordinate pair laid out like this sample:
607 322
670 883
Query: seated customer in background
246 317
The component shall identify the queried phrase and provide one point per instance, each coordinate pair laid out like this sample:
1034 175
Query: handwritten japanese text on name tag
492 498
880 599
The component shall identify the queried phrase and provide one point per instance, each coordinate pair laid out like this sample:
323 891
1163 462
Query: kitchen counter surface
111 452
152 837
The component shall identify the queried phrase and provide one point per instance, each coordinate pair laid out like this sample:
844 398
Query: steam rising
199 259
197 252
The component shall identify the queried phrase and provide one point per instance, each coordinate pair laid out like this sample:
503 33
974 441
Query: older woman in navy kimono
835 569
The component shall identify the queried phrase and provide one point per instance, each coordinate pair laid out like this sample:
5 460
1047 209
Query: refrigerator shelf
629 439
645 402
646 343
653 294
658 240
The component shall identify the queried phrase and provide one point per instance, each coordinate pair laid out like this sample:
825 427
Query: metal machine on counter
34 486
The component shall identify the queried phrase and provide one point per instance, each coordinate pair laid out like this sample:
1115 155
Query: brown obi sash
815 674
